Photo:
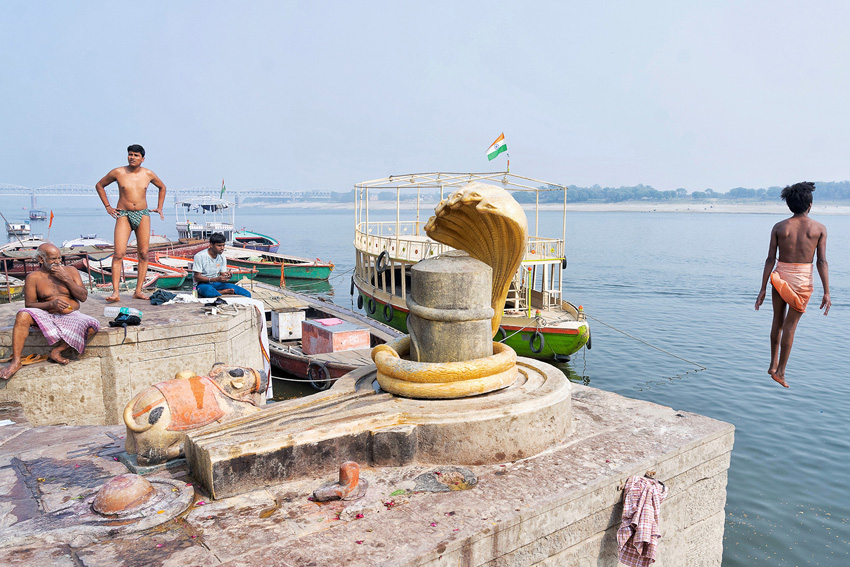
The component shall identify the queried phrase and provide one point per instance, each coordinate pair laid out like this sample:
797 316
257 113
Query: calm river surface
685 283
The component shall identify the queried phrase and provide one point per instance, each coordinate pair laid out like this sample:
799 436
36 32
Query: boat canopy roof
205 204
445 180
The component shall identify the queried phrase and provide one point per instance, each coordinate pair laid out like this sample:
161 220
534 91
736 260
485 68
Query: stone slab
356 421
561 507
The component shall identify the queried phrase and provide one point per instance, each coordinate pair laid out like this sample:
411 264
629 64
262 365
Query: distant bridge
72 190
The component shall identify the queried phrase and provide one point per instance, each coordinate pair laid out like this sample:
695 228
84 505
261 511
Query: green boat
158 275
536 322
270 265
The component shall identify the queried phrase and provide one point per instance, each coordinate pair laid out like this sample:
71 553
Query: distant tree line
824 191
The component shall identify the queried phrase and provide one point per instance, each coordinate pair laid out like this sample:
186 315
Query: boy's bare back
798 238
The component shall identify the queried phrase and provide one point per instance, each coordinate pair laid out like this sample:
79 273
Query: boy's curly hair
798 197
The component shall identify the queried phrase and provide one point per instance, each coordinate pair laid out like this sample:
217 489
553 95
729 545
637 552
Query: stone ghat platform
559 508
94 387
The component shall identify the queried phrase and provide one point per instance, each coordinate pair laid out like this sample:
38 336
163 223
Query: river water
666 293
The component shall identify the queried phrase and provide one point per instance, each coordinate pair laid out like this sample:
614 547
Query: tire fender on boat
359 302
388 317
501 332
382 263
563 263
535 336
371 305
319 376
589 343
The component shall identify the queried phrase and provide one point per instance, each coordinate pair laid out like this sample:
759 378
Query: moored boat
185 263
287 351
159 275
38 215
87 240
270 264
255 241
18 228
11 289
220 219
537 322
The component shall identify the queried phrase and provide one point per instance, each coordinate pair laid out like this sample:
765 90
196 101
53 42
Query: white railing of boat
411 244
537 284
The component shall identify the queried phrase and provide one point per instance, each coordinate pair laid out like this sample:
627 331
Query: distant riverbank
834 208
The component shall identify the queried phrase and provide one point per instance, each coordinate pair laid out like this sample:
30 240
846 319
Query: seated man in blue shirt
210 271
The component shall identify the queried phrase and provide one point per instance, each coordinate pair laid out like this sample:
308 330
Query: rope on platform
699 366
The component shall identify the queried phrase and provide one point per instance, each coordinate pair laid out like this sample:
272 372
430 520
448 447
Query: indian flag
223 189
497 147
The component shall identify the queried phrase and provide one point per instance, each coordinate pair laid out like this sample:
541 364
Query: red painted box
319 336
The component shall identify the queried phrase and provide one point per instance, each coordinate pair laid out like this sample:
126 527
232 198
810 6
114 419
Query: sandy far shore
631 207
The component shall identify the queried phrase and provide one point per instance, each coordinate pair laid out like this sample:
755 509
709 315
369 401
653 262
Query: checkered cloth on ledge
638 535
71 327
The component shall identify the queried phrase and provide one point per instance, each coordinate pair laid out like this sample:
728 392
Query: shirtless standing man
131 214
798 239
52 297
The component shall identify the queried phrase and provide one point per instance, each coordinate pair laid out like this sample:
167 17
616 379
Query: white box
286 324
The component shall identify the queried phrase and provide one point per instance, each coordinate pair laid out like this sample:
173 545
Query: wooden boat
11 289
254 241
38 215
186 264
159 275
536 322
270 264
320 370
221 218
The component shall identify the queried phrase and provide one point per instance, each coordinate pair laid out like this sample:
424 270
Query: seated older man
52 296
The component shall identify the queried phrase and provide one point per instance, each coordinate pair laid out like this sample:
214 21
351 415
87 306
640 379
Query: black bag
123 320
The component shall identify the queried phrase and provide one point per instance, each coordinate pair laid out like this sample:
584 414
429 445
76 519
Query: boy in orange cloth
797 239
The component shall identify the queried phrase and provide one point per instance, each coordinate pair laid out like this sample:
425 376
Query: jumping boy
797 239
131 214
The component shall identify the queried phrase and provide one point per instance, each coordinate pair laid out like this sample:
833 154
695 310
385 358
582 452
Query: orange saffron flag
51 220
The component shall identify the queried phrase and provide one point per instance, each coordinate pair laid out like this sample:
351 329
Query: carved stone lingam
446 395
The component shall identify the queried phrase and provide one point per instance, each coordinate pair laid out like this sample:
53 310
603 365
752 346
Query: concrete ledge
93 389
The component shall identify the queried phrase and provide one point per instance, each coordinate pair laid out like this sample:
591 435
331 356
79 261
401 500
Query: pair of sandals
29 359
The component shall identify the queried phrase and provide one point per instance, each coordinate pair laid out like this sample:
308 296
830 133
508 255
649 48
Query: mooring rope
700 366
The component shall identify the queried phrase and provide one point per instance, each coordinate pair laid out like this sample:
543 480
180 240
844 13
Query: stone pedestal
356 421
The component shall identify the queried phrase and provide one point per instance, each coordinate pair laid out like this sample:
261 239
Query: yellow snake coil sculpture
487 223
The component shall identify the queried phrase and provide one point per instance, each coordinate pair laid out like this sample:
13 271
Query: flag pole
509 162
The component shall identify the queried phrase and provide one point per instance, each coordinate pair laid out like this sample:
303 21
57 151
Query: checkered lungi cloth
638 535
72 327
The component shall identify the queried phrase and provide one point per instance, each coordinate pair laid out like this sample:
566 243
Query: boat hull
290 271
543 342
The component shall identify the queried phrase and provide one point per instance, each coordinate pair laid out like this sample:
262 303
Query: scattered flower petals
114 458
41 480
358 541
200 503
358 516
450 513
433 524
158 545
194 536
456 530
76 466
161 512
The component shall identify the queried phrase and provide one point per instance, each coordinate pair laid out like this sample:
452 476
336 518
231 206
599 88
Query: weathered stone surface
561 507
450 309
93 389
311 436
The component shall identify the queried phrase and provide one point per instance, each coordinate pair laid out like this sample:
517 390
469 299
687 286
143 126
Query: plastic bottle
113 311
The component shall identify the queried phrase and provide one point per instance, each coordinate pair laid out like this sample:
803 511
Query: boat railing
540 249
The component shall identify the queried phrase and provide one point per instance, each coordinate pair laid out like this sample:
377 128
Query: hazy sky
321 95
